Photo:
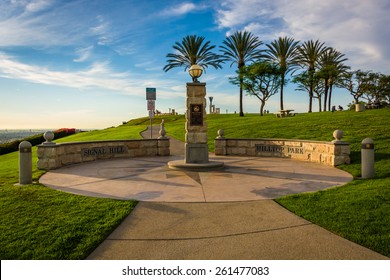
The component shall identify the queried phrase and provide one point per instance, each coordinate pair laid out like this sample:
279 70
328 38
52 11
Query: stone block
231 143
133 144
342 150
195 138
148 144
196 128
196 153
73 149
293 143
239 151
220 151
71 159
164 151
42 164
309 147
220 142
163 143
40 152
150 152
132 153
338 160
196 100
53 163
275 142
243 143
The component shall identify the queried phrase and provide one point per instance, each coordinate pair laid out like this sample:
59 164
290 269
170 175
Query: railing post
25 163
367 154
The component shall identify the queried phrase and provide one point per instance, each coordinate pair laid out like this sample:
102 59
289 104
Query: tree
193 50
384 88
261 79
241 48
331 67
376 88
356 82
284 52
309 53
303 82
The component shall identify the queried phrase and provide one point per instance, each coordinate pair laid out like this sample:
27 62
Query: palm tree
340 69
240 48
331 67
193 50
309 53
283 52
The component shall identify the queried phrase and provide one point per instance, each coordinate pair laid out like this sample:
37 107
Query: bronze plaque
196 117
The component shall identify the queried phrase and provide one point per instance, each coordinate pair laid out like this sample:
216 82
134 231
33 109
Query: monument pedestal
196 153
196 147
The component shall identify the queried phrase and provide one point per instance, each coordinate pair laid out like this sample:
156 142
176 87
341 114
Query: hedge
34 140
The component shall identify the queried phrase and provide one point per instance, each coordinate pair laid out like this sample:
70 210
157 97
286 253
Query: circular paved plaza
150 179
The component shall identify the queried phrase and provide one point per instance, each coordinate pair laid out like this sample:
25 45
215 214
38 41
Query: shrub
34 140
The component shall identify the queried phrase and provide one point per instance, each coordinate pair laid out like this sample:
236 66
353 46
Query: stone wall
53 156
328 153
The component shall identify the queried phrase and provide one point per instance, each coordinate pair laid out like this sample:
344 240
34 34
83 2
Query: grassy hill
40 223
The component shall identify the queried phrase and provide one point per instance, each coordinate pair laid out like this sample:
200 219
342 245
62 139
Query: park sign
150 93
151 105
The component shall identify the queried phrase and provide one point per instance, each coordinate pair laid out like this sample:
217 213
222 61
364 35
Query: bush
34 140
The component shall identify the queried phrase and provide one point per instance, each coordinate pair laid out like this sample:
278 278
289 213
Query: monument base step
199 167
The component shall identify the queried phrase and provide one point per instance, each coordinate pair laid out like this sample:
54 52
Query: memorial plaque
196 115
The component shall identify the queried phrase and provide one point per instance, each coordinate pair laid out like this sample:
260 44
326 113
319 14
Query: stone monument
196 147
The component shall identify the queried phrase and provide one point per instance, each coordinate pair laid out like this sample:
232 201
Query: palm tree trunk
326 94
241 105
281 92
319 104
330 96
311 87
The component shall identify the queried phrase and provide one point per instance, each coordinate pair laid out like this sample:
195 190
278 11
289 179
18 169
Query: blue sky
86 64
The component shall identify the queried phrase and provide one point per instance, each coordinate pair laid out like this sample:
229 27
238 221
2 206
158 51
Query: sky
87 63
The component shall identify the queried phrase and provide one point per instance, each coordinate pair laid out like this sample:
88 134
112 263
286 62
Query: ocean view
9 135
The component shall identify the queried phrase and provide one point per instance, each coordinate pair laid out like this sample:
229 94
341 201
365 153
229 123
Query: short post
367 154
25 163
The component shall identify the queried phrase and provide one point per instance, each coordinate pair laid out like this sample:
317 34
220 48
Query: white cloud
182 9
357 28
97 76
49 23
83 54
103 31
38 5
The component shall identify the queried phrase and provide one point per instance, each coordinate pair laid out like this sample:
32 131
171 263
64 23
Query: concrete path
230 231
239 220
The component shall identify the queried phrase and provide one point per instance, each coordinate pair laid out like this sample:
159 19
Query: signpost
151 105
150 93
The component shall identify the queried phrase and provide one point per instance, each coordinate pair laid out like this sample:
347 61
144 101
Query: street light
195 72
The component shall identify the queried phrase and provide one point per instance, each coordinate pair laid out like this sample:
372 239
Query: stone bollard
162 131
25 163
367 154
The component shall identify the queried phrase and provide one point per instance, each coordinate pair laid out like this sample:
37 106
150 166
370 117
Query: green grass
40 223
358 211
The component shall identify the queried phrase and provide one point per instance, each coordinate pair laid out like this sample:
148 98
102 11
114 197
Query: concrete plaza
221 214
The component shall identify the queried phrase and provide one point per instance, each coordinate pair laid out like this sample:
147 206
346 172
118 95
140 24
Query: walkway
239 220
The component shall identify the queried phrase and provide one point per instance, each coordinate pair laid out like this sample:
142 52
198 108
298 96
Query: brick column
196 126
